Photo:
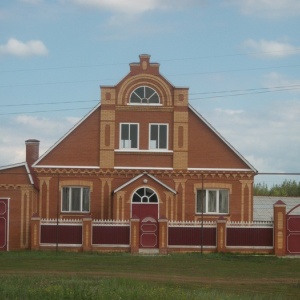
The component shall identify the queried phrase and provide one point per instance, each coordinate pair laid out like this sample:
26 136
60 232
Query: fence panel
111 233
249 235
192 234
61 232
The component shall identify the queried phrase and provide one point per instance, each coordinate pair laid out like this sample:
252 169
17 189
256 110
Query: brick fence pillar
87 234
35 228
221 234
280 228
134 235
163 235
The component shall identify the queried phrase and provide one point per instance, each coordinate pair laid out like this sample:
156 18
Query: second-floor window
129 136
158 136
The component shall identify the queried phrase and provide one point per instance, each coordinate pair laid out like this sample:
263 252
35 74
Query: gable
208 149
79 147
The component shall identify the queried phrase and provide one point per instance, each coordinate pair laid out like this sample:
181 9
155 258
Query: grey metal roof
263 206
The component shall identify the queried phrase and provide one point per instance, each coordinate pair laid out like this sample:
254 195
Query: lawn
69 275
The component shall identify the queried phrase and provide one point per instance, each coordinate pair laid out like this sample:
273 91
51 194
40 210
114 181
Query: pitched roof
23 164
263 206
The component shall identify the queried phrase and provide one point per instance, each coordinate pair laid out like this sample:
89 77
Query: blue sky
240 59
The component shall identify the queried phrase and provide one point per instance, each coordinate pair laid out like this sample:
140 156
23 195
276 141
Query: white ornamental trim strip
67 222
192 224
255 224
111 223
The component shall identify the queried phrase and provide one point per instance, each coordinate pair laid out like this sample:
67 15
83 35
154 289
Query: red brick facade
90 158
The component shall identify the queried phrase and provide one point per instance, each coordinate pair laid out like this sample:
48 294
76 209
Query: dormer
144 85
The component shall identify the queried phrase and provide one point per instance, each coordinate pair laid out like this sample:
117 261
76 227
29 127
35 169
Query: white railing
111 223
254 224
61 222
192 224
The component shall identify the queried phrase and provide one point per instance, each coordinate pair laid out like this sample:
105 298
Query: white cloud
271 49
17 48
269 138
269 8
14 132
136 6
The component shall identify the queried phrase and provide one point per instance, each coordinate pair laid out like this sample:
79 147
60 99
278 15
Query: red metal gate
293 232
148 214
3 224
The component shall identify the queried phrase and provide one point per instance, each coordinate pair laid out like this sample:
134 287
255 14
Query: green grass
68 275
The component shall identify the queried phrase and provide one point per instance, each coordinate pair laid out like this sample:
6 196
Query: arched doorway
145 206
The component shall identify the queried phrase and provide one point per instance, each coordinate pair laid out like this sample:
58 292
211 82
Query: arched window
144 95
144 195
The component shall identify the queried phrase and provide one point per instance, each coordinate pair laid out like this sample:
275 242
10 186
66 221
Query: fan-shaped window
144 95
144 195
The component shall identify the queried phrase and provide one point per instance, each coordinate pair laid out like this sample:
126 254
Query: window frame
158 138
137 194
70 200
137 136
141 102
208 204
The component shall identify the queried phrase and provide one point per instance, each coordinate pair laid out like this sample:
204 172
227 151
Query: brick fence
109 235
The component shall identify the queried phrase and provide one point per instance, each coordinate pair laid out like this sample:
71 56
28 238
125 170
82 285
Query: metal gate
148 233
3 224
293 231
148 214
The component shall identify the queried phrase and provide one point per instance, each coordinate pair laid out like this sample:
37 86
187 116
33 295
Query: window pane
125 136
212 201
135 98
154 98
133 135
154 136
86 199
163 136
223 201
75 202
136 198
201 203
65 199
140 92
153 198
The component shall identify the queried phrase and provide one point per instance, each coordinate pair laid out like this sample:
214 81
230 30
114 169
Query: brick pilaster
134 235
280 228
87 234
35 232
163 236
221 235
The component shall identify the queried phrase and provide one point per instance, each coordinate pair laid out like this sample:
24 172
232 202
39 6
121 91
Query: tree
289 188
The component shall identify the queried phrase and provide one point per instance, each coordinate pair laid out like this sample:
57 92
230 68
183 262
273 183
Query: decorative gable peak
144 66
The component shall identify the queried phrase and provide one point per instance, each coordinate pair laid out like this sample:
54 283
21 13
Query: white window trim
81 200
120 137
217 204
149 141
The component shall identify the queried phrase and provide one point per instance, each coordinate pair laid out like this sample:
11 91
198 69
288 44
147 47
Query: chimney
32 151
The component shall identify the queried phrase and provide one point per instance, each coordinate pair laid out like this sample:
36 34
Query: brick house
144 152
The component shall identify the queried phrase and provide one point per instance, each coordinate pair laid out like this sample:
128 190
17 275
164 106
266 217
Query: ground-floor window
212 201
75 199
144 195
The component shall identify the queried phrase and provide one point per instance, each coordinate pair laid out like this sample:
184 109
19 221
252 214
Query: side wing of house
18 201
